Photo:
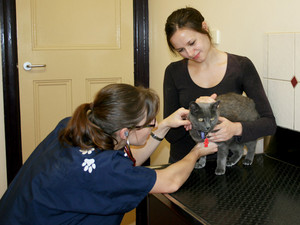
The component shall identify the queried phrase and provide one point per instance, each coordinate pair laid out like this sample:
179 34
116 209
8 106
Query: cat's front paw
219 171
247 162
199 165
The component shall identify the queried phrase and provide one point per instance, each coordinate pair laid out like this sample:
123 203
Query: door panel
76 24
85 45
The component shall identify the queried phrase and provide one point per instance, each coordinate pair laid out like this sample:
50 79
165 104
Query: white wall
3 179
243 25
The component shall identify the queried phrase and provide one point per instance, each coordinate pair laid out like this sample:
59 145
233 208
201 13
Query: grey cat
204 117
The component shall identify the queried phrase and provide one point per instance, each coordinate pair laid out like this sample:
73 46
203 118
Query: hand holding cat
207 99
203 151
177 119
225 130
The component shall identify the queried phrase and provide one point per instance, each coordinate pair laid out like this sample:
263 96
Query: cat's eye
200 119
211 119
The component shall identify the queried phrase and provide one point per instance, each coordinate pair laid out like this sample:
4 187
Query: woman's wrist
160 132
239 129
156 137
163 127
197 149
195 153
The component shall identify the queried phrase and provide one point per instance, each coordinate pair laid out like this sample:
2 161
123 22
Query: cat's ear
215 105
194 107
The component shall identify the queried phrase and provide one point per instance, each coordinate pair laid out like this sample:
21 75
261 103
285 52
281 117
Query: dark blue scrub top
66 185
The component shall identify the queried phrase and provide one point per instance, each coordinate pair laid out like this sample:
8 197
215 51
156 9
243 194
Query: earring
126 133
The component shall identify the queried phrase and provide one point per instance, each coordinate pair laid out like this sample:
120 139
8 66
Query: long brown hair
115 106
184 18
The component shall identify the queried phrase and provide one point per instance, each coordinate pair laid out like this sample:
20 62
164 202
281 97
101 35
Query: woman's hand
225 130
177 119
202 151
207 99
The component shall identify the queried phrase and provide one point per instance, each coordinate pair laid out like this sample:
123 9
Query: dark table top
267 192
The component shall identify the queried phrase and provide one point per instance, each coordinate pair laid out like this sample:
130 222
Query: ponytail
80 131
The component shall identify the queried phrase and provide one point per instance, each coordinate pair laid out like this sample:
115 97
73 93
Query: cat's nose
207 128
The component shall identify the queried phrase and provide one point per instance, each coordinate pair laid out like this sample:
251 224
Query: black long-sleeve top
240 76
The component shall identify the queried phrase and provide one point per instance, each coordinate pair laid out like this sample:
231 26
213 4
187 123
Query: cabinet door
282 80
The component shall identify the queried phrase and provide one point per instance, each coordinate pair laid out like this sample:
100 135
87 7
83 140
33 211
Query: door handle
29 66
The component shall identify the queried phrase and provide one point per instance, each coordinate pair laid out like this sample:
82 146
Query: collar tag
206 142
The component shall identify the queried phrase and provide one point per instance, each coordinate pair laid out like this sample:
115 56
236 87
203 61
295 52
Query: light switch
216 37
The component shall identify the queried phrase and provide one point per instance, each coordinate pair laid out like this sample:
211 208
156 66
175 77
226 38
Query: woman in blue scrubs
84 171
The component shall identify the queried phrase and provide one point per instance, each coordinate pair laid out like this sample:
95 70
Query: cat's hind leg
200 163
237 153
251 146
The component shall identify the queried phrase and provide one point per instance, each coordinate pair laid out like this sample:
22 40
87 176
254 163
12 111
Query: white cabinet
283 76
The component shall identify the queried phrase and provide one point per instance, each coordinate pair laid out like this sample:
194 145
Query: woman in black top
204 71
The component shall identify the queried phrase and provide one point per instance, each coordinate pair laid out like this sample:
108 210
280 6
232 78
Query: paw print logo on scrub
89 165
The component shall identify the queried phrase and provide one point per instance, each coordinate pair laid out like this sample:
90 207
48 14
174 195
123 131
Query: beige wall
242 25
2 140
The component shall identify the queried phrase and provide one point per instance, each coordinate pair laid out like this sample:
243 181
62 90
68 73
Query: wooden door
84 46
